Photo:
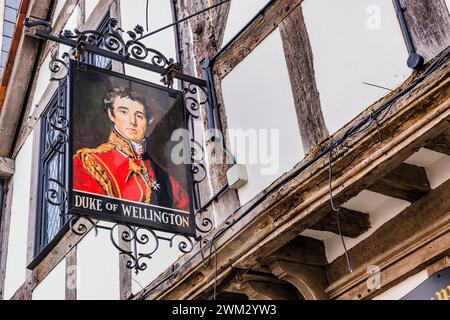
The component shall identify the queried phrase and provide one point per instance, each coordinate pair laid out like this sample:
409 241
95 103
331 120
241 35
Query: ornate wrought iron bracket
113 46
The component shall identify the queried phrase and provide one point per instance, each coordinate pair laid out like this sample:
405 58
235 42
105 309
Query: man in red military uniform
121 167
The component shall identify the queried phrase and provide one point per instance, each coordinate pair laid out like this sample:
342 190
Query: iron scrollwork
113 41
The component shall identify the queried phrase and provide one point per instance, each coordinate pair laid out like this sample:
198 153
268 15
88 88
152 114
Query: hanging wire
361 126
336 211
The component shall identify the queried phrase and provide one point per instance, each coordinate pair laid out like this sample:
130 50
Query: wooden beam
407 223
6 168
309 281
65 245
255 290
125 274
397 263
23 293
256 33
442 264
71 274
302 250
4 235
353 223
263 287
299 60
429 26
440 143
407 182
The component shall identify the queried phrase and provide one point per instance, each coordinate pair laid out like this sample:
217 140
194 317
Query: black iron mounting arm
415 60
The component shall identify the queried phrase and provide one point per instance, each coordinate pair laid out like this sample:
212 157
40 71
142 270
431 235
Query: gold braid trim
94 169
134 168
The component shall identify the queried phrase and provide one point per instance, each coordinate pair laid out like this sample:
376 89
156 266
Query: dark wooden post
429 26
200 38
299 59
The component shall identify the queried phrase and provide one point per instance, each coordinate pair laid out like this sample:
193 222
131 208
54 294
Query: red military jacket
116 170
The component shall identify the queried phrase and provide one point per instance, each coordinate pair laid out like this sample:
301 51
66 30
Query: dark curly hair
120 92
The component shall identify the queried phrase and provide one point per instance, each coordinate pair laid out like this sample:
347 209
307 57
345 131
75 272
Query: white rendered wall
53 286
399 291
160 261
89 7
241 12
160 14
59 6
16 260
259 100
42 82
98 268
354 41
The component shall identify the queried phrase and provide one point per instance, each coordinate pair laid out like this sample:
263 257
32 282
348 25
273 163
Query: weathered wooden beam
6 168
302 201
71 274
65 245
125 273
310 281
353 223
263 287
302 250
4 235
397 263
256 290
442 264
23 293
21 76
256 33
429 26
407 182
299 60
234 296
407 223
440 143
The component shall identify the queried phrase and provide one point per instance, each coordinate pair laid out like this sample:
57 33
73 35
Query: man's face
129 118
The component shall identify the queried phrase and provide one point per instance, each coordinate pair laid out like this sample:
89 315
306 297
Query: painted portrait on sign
121 144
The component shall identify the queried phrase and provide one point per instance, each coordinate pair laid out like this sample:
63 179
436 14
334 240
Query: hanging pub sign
120 147
436 287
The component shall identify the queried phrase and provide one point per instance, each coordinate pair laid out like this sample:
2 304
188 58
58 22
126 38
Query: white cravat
138 146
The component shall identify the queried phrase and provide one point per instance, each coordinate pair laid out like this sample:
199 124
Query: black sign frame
76 66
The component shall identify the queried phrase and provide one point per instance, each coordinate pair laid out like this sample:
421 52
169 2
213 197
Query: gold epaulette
94 169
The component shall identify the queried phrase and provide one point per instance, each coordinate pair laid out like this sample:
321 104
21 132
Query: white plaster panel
354 41
160 14
160 261
262 121
98 267
241 12
89 7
